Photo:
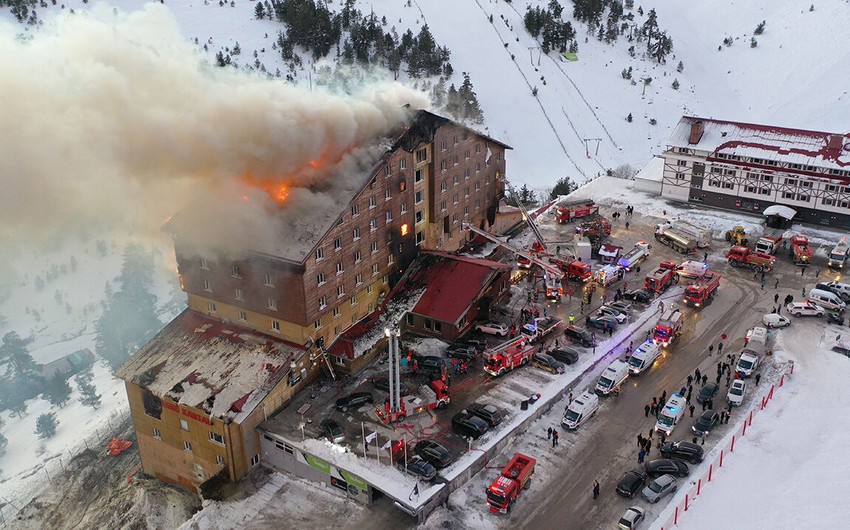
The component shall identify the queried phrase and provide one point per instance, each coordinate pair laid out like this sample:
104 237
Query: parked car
640 296
622 306
775 320
488 413
418 467
580 335
565 355
708 391
383 383
493 328
659 487
666 466
462 352
437 455
706 422
332 431
430 363
632 518
631 483
613 312
353 401
600 322
465 424
735 396
548 363
832 289
805 309
682 450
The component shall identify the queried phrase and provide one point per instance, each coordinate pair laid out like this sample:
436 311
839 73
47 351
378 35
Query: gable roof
200 362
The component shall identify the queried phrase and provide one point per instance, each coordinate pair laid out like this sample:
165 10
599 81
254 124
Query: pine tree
45 425
680 67
3 440
629 118
760 28
14 352
471 110
675 84
260 11
564 186
57 391
88 392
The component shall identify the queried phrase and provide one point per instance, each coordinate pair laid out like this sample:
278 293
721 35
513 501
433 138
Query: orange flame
276 190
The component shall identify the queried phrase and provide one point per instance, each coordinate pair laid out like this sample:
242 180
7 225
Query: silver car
632 518
659 487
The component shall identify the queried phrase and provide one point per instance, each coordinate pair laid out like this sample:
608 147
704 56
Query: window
444 145
272 303
444 165
388 170
373 225
372 183
683 150
255 460
156 434
478 167
454 218
204 264
750 189
728 185
238 294
320 278
420 216
717 170
830 187
466 154
478 186
438 327
455 180
427 323
682 163
804 198
357 257
443 206
466 211
337 244
767 178
752 175
355 210
207 286
338 359
337 331
320 254
419 197
417 176
184 425
336 312
236 273
806 184
455 199
389 216
340 221
765 191
339 267
420 237
402 164
317 324
216 438
791 182
354 300
680 176
787 195
828 202
455 160
466 174
487 180
404 207
187 445
390 259
409 319
211 306
358 279
356 234
421 155
340 291
373 202
219 460
323 302
269 281
369 289
354 318
275 325
466 191
388 194
374 269
373 246
243 316
730 172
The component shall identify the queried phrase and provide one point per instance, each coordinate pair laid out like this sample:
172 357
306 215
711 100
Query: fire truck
669 326
839 254
566 212
700 293
800 250
575 270
744 257
635 256
507 356
595 225
662 277
768 245
435 396
510 483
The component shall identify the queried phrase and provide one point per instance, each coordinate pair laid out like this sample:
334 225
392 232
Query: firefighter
572 319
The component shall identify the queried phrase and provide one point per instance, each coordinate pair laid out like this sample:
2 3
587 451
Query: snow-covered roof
782 211
200 362
766 142
653 170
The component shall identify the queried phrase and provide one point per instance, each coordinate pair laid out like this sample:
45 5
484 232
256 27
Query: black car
601 322
488 413
479 345
566 356
465 424
708 391
706 422
437 455
332 431
462 352
579 335
418 467
640 296
430 363
666 466
548 363
383 383
353 401
682 450
631 483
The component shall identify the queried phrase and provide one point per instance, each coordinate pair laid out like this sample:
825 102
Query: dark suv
434 453
353 401
462 352
488 413
682 450
466 424
565 355
640 296
579 335
430 363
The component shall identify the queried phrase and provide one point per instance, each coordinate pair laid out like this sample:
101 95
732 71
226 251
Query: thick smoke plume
114 119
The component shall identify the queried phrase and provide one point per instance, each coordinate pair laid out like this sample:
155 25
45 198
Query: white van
826 299
644 357
692 269
842 288
582 408
757 334
747 363
612 377
670 415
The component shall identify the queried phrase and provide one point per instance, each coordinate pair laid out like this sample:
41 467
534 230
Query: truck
839 253
509 484
566 212
507 356
635 256
768 244
801 252
669 326
539 328
701 292
596 225
575 270
554 287
678 241
435 395
662 277
700 234
745 257
608 274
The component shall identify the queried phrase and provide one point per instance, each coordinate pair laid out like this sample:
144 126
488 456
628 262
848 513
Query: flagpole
363 431
404 441
377 452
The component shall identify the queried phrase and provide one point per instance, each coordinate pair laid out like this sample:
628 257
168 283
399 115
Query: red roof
452 285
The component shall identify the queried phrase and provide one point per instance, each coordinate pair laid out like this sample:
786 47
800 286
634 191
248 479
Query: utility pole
587 145
531 54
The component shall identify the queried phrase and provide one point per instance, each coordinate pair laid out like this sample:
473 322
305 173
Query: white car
775 320
805 309
735 396
613 312
632 518
493 328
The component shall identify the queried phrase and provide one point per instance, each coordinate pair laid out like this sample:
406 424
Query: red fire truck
662 277
435 396
575 270
702 291
745 257
569 211
510 483
507 356
668 328
800 250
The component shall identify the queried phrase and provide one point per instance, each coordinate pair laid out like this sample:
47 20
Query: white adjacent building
743 166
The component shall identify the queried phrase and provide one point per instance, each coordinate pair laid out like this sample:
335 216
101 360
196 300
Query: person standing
647 408
595 490
704 379
640 440
691 408
663 398
555 436
763 282
719 348
549 433
710 349
652 408
776 298
641 454
803 270
776 284
758 378
570 398
705 257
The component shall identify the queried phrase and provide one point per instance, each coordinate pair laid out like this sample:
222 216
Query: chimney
697 128
834 144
